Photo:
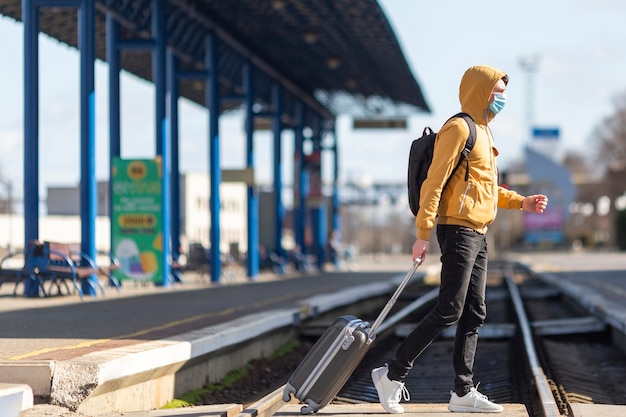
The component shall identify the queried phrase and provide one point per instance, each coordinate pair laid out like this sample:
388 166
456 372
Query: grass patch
195 397
284 349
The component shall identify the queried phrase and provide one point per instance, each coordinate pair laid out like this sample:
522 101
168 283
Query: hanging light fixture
311 36
279 5
333 62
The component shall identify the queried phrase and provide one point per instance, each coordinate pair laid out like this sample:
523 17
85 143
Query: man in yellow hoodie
462 211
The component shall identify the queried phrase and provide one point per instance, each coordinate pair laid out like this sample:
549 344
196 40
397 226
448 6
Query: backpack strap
471 141
469 145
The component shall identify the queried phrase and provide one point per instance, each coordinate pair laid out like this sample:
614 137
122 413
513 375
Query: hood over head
475 89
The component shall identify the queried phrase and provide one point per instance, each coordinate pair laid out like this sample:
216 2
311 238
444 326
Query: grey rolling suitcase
331 361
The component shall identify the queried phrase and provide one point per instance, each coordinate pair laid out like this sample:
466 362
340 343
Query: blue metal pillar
113 59
320 233
306 219
30 17
88 195
172 111
277 128
299 186
253 198
318 213
336 216
213 104
161 129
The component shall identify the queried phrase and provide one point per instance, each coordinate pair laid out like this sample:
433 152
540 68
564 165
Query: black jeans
461 301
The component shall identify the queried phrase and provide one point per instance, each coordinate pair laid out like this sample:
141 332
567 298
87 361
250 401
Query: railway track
537 348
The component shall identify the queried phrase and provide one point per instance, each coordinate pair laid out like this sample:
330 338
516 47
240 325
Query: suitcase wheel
286 396
288 392
310 407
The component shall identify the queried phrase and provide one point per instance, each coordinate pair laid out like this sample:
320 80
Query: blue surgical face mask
499 100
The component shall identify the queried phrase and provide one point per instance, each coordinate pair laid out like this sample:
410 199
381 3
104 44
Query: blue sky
581 67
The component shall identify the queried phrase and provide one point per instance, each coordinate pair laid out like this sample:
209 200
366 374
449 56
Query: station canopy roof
338 56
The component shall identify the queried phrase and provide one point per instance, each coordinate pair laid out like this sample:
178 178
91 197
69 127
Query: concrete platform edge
70 383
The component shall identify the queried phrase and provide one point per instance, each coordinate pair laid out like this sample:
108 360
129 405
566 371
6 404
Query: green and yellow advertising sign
137 218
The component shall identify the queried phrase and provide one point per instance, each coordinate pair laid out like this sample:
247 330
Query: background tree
577 163
609 164
6 195
610 135
620 226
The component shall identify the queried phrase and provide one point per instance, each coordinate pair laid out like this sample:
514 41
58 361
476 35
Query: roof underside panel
320 49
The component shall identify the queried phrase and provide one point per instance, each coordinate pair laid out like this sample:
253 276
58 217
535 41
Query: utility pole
529 65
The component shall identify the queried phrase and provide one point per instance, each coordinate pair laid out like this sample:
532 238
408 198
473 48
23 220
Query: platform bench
64 264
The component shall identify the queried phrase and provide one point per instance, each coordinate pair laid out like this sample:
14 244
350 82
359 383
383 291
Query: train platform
78 353
83 351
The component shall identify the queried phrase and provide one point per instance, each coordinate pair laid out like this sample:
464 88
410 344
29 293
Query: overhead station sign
375 123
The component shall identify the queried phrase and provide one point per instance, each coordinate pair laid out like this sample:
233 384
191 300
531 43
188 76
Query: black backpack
421 156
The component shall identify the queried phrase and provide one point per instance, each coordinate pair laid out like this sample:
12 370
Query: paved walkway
61 327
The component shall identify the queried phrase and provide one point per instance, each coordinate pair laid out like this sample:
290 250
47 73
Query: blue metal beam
137 44
253 198
318 213
193 75
277 128
113 59
213 101
299 196
57 3
336 203
233 98
30 17
173 94
320 233
161 129
88 195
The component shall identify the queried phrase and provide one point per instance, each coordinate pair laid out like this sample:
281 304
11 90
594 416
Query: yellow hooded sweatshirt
473 203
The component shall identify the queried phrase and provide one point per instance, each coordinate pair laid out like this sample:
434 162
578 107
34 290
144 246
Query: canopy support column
30 17
253 198
279 211
213 104
163 147
88 195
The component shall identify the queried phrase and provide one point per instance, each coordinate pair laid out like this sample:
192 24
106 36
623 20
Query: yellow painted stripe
89 343
86 343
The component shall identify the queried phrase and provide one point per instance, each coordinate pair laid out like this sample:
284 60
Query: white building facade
62 221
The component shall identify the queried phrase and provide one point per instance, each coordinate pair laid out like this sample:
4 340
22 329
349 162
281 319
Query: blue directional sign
546 133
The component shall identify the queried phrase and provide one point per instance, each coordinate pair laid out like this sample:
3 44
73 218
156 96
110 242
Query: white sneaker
473 402
389 392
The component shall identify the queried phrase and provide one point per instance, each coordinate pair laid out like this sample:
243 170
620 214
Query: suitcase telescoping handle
383 314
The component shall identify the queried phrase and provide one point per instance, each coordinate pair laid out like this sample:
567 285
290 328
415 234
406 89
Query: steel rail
548 402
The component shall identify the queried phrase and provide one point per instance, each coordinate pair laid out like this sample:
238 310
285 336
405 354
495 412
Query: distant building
196 215
65 201
195 219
